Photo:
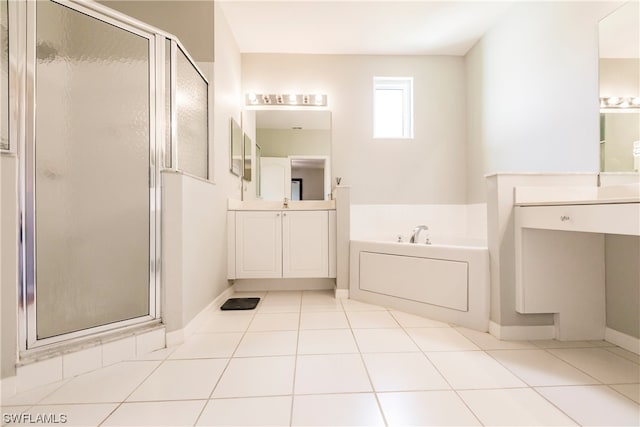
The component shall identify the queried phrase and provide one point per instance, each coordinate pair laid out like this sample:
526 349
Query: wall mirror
295 147
619 51
246 170
235 149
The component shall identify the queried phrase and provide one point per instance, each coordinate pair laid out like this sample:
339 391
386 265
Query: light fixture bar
289 99
620 102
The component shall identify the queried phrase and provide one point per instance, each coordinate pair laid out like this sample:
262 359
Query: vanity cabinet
282 244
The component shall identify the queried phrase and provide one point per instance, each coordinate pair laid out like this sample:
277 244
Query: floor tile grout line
440 372
533 388
295 364
226 366
364 365
610 386
37 402
637 362
571 364
132 391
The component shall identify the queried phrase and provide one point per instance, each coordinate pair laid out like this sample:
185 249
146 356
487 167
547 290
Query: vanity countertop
273 205
555 196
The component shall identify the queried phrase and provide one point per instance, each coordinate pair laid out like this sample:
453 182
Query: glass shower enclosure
106 102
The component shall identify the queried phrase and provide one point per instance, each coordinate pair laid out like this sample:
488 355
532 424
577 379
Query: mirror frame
258 181
235 129
246 158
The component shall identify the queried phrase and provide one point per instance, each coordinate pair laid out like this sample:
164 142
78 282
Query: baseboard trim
291 284
341 293
622 340
177 337
522 333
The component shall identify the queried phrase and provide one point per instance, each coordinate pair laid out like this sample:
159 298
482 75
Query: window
393 107
192 132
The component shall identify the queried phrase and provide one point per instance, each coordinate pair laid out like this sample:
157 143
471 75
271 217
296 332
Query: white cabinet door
305 244
258 244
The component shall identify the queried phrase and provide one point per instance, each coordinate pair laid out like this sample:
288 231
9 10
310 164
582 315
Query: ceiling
361 27
619 32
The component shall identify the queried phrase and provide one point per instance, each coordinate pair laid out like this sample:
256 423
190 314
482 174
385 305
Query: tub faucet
416 234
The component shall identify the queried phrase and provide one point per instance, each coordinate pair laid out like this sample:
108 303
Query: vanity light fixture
304 100
620 102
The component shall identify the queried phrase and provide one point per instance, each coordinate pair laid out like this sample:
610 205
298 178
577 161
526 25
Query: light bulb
614 100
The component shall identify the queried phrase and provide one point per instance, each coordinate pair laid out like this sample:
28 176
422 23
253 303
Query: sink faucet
285 203
416 233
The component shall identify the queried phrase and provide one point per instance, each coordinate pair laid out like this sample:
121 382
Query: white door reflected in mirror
295 177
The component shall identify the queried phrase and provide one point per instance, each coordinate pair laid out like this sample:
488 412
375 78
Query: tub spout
416 234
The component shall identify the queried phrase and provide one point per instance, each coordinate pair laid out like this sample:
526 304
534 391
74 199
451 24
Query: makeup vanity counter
559 251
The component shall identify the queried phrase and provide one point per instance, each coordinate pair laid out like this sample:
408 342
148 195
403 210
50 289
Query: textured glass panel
167 103
4 77
91 172
191 121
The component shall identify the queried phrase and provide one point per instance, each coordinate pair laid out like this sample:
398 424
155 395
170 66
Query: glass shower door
89 175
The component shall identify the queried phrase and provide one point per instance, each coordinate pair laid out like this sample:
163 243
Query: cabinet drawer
621 218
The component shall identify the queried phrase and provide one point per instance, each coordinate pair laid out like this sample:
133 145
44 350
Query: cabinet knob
278 214
565 218
284 214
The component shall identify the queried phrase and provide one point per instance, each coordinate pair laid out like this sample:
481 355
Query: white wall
533 90
194 248
623 283
448 224
204 205
619 77
428 169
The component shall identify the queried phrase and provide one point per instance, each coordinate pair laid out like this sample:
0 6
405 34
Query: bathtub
446 281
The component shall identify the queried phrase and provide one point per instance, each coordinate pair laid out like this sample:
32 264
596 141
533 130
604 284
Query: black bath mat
240 304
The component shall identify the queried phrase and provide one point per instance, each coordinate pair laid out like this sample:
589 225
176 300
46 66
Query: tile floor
305 358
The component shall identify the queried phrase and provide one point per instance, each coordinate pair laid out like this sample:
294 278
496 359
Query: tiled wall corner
39 373
150 341
79 362
116 351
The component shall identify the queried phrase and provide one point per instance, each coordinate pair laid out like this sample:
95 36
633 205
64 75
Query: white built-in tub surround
560 254
447 280
448 223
